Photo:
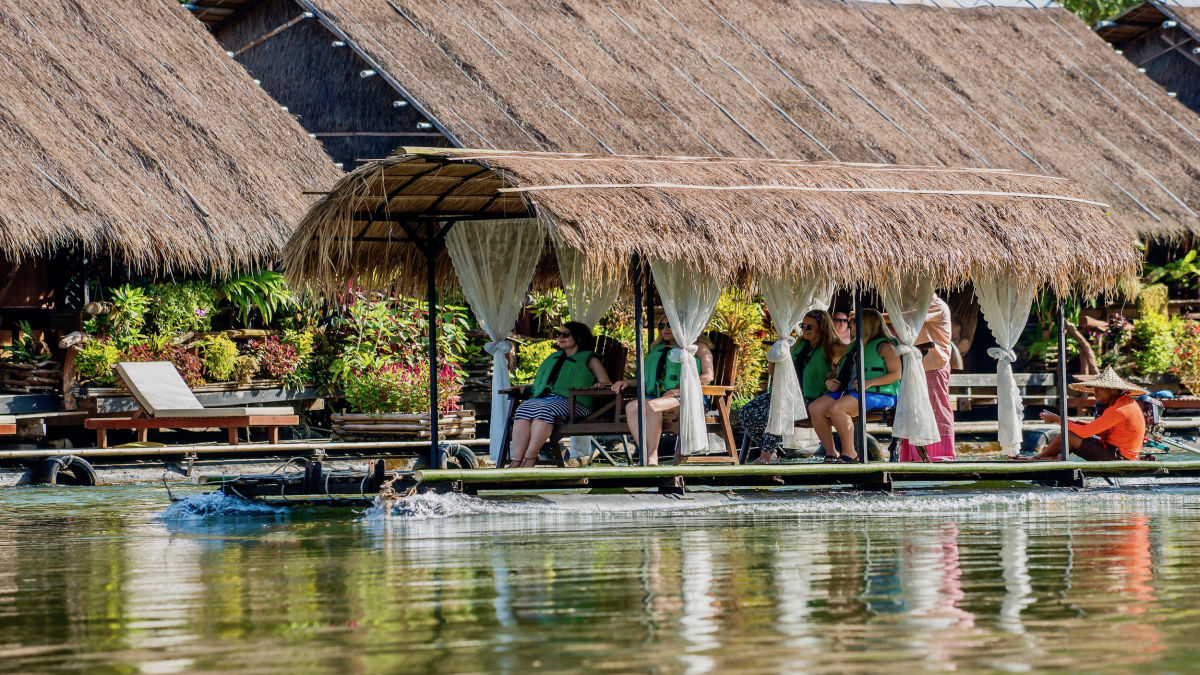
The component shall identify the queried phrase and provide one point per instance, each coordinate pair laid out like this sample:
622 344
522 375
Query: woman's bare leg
818 412
520 441
845 409
539 433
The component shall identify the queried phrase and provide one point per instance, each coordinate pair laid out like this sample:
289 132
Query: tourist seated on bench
662 386
883 370
166 403
573 366
1118 433
813 357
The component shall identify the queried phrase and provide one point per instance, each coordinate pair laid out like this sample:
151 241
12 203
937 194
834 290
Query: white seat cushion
157 386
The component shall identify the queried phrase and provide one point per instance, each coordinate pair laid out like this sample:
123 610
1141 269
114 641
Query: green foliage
25 349
1154 342
373 333
1152 300
245 367
740 316
549 308
303 342
265 290
1187 350
529 357
190 367
1092 11
94 361
220 358
185 306
126 318
400 388
1184 270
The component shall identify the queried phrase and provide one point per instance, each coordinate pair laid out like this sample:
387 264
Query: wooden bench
968 390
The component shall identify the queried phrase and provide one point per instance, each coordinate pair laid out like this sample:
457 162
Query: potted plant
391 399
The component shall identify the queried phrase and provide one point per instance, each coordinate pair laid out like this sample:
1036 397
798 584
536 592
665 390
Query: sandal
766 458
846 459
830 459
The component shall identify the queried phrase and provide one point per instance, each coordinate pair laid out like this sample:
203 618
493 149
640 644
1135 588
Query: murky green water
101 580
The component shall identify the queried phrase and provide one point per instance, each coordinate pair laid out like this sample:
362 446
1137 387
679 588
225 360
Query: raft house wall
1162 40
335 94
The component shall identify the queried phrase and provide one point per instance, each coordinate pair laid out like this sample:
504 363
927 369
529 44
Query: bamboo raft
356 488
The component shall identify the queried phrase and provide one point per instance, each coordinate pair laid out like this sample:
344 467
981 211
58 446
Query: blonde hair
873 326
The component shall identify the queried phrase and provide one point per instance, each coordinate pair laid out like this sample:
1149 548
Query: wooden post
639 357
431 308
860 425
1061 320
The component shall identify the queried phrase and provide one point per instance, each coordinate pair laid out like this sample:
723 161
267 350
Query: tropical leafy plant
401 388
529 356
190 367
25 349
181 307
265 290
125 319
1092 11
220 357
549 308
740 316
94 361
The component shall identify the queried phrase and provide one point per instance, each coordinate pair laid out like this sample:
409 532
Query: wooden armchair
720 392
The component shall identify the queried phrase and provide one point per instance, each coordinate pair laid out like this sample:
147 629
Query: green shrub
1154 343
529 357
220 358
401 388
94 361
265 290
302 341
181 307
1152 300
740 316
244 369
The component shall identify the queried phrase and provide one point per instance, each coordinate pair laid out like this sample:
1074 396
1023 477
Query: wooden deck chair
166 402
606 419
720 394
8 425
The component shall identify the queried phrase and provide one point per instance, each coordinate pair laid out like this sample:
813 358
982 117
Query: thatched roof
739 219
127 130
1028 89
1133 22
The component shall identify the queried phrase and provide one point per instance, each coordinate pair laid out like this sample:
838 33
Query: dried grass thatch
1021 88
128 131
738 219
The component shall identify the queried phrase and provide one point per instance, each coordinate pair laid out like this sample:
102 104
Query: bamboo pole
229 450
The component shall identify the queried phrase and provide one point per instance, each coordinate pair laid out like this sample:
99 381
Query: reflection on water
103 579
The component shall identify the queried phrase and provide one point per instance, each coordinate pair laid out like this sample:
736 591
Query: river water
115 580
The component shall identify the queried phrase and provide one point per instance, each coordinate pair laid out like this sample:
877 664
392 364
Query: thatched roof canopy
739 219
128 131
1028 88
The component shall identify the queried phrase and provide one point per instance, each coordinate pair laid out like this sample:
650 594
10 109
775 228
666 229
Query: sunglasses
841 320
807 327
564 333
663 324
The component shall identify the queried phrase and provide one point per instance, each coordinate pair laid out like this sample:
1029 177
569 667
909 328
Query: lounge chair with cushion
167 403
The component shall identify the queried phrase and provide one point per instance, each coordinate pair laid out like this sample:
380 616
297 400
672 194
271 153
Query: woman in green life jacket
573 366
837 411
813 357
662 386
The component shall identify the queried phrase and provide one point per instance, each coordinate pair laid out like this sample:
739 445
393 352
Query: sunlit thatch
738 219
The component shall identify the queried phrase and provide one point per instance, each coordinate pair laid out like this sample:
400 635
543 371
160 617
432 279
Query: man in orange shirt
1118 433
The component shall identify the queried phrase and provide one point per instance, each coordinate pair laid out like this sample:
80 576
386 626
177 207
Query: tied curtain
907 302
689 299
1006 301
788 300
589 295
495 261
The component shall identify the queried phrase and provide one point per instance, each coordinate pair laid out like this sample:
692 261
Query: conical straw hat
1107 380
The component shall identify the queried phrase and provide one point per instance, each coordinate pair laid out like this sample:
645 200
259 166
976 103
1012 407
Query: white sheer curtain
688 299
495 261
907 302
590 293
788 300
1006 301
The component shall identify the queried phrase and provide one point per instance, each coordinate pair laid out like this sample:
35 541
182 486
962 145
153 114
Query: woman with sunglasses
836 410
662 385
573 366
813 357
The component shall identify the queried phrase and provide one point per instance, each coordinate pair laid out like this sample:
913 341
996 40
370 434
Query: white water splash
431 505
218 505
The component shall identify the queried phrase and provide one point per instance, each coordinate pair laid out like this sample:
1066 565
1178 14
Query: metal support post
639 358
1063 411
860 424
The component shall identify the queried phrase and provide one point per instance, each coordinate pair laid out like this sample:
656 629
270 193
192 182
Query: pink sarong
939 397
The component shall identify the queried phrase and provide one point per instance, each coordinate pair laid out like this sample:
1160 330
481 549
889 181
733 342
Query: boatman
1118 433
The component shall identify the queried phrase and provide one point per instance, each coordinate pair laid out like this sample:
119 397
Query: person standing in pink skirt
936 332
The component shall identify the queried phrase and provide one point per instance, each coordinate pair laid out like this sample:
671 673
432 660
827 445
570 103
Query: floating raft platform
347 487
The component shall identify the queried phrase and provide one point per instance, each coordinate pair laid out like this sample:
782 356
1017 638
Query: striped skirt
548 408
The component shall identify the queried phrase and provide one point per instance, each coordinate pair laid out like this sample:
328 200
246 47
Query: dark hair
827 334
582 335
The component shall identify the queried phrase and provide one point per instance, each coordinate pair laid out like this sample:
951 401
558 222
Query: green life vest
875 366
659 372
811 368
559 374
